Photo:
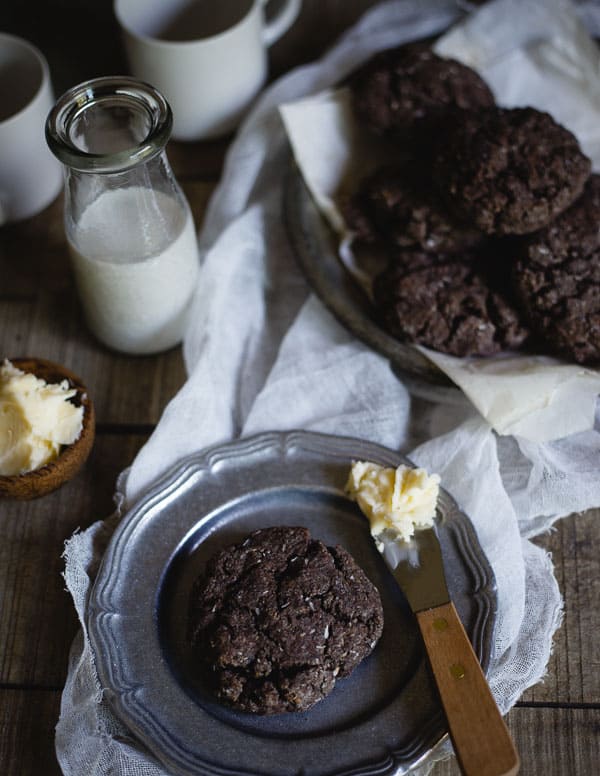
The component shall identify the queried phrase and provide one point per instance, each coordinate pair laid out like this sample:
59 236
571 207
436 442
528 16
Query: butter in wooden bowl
46 427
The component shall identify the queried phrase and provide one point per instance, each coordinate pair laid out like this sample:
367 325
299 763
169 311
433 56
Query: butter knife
481 740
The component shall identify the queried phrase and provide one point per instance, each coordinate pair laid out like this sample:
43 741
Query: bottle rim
74 102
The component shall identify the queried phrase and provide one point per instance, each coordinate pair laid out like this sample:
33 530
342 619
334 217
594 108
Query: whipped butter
36 419
397 502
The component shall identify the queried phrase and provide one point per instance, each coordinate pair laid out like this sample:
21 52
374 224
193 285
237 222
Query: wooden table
556 724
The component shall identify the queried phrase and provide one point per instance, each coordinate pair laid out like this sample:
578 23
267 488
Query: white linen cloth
262 353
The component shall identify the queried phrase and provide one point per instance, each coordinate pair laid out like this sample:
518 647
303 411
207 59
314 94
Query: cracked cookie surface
404 92
400 206
509 171
446 307
277 618
557 279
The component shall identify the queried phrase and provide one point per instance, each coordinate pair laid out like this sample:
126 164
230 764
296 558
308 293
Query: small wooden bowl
72 457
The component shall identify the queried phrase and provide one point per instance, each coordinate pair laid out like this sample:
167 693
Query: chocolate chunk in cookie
405 92
447 307
509 171
276 619
400 206
557 279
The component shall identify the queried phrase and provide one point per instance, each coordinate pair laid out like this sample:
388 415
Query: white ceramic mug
208 57
30 176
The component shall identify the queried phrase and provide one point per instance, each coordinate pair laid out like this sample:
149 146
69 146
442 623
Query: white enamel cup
207 57
30 177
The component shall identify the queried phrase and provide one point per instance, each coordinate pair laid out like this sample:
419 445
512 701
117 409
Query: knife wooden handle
482 743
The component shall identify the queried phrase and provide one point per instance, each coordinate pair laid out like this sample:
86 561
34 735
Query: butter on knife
397 502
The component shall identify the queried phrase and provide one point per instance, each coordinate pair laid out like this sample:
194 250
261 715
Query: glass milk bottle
129 228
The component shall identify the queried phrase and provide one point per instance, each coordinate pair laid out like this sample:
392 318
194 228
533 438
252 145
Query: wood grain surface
556 724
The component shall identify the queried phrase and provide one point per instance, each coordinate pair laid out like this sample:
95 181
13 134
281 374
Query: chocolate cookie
276 619
400 206
557 279
509 171
404 92
447 307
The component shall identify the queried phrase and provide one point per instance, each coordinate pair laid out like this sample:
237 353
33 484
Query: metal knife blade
419 569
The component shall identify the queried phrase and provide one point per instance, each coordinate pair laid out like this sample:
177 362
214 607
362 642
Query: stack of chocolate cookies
490 216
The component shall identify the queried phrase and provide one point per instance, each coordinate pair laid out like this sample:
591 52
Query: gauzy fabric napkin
262 353
547 61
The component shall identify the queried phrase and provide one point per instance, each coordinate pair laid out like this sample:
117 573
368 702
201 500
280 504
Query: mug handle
282 21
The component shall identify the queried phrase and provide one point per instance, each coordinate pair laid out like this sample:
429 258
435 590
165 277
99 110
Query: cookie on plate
509 171
277 618
557 279
402 93
447 307
399 205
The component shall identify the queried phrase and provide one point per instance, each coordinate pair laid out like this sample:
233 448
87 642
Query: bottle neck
109 125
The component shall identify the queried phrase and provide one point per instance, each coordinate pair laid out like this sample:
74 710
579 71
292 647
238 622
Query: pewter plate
315 247
381 720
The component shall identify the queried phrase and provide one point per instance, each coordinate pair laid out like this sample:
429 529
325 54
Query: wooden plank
16 317
198 160
551 742
198 192
27 722
37 618
317 28
573 675
33 255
